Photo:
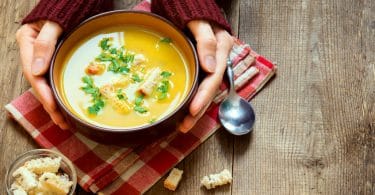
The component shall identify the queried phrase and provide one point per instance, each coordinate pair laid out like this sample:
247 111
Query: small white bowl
66 166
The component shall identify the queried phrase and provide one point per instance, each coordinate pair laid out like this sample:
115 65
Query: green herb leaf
165 40
136 78
165 74
88 80
139 100
93 110
140 109
96 107
120 95
129 58
104 43
124 69
113 51
99 103
162 96
104 58
163 89
91 89
164 86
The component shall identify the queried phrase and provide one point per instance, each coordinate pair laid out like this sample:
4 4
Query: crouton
54 184
173 179
42 165
152 79
214 180
17 189
25 178
95 68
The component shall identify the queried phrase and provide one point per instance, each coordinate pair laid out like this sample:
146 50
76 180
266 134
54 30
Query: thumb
206 43
44 46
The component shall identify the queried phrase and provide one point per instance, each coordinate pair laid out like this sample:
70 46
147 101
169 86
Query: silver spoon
235 113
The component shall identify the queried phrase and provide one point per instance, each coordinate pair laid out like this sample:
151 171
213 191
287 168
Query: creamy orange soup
124 77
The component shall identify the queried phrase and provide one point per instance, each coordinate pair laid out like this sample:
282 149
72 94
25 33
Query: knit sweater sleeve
180 12
67 13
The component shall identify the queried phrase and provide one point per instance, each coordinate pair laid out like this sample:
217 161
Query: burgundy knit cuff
67 13
183 11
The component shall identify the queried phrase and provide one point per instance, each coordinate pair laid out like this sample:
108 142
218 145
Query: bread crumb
52 183
42 165
40 177
173 179
25 178
219 179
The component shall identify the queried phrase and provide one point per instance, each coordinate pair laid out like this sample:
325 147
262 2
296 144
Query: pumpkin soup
124 77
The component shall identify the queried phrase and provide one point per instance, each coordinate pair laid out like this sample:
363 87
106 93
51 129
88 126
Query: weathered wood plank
315 127
13 139
315 131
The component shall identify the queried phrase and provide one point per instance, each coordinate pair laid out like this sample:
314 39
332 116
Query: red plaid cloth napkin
118 170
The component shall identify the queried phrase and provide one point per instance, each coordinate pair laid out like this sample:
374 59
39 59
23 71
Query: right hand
37 43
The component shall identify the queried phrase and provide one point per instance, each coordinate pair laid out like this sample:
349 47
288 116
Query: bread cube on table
173 179
219 179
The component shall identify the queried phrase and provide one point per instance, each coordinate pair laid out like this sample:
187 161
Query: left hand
213 45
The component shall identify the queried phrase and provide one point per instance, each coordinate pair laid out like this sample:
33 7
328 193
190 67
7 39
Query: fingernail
182 129
65 126
37 66
210 63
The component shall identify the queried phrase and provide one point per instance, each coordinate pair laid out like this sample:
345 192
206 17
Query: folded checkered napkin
120 170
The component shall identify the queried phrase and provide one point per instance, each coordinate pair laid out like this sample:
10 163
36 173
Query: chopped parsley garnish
118 61
124 70
139 100
140 109
113 51
165 74
163 89
105 43
96 107
165 40
120 95
138 105
129 58
92 90
136 78
104 57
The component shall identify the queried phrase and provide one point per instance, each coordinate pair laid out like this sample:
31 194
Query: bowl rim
35 152
114 129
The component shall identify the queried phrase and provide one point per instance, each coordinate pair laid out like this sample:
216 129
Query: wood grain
315 130
13 139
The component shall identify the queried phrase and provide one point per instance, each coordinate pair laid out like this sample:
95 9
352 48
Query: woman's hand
37 43
213 45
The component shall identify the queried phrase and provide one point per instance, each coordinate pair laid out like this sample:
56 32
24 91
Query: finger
224 46
44 94
25 38
206 44
189 121
206 91
44 46
59 120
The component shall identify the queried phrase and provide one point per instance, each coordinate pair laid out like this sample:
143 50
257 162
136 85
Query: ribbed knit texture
180 12
67 13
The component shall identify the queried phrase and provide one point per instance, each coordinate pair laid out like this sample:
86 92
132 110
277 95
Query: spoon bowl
235 113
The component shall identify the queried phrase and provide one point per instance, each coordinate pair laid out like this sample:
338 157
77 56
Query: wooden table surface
315 129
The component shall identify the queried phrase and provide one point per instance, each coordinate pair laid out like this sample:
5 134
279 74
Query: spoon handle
230 76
